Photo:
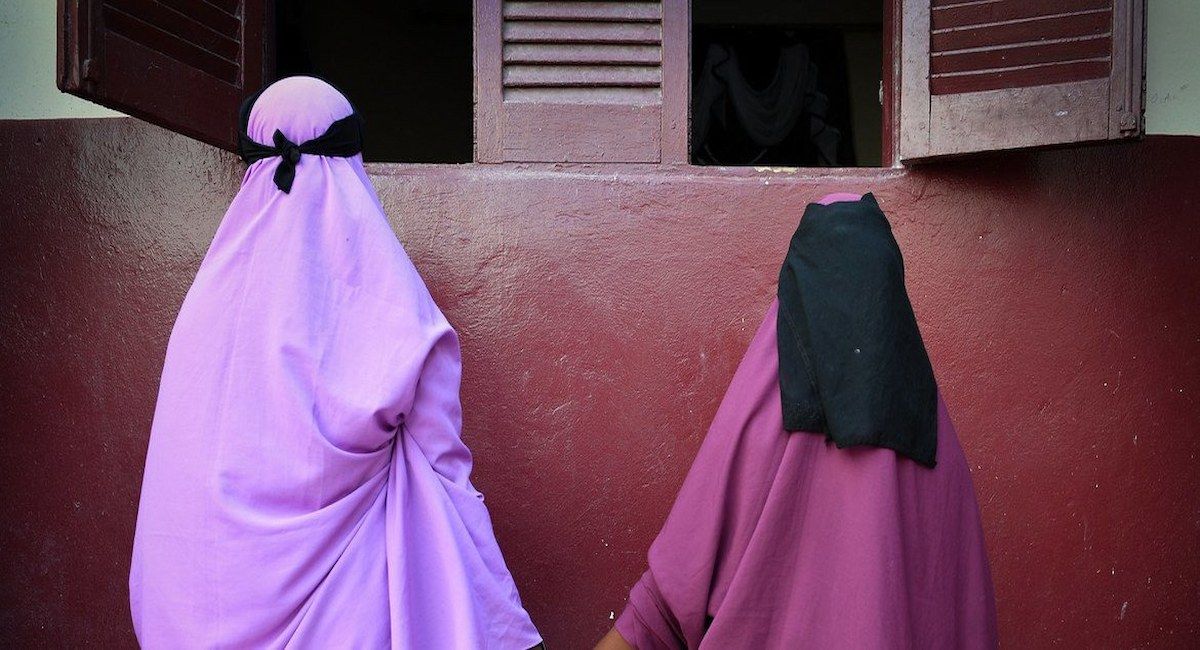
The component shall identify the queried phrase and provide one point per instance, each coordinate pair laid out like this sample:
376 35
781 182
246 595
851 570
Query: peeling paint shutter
572 81
182 64
982 75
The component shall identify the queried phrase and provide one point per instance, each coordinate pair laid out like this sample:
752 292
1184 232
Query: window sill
630 171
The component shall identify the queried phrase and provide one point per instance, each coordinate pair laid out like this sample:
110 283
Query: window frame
82 60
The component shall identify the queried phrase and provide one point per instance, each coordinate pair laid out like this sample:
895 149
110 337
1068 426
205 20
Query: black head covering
851 361
343 138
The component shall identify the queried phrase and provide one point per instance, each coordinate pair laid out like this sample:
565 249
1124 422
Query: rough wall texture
602 312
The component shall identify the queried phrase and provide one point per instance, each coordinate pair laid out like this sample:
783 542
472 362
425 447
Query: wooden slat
177 24
231 7
1032 31
1019 77
150 36
1008 57
1007 10
585 53
600 95
210 16
581 32
580 75
584 11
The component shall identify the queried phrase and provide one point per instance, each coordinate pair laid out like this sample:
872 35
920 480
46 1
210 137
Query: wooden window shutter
572 81
182 64
982 75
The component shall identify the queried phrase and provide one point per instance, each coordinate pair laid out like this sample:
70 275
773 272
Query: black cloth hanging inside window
852 363
726 100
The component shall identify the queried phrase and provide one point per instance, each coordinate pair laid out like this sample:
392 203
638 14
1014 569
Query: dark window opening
786 83
407 66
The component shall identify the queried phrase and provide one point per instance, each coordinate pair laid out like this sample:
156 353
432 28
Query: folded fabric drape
306 484
781 540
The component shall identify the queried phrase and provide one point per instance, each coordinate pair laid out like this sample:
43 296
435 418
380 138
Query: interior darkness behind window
406 65
787 82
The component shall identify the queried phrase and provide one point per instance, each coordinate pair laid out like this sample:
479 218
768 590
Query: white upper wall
27 61
1172 67
27 65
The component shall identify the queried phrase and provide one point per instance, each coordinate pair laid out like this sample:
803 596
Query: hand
614 641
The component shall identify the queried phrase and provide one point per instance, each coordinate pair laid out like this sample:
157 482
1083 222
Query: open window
785 83
623 81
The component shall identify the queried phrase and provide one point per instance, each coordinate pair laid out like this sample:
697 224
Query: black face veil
851 360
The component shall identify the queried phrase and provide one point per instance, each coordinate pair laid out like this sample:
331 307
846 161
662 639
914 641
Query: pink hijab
781 540
306 484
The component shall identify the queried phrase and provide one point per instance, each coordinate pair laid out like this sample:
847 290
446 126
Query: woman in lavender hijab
306 485
830 505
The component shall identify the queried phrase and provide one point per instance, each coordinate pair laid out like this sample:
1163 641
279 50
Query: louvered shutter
571 81
982 75
182 64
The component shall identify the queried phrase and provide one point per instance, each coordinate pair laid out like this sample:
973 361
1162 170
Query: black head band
343 139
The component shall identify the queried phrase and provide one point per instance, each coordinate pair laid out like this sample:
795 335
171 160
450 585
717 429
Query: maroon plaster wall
602 312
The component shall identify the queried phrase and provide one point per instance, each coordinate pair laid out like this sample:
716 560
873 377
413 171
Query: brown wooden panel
489 68
146 34
584 95
1031 31
1019 117
582 75
185 65
159 17
1040 75
590 11
230 7
208 15
542 132
960 15
676 65
1009 57
156 83
584 53
580 32
1127 87
1002 74
570 81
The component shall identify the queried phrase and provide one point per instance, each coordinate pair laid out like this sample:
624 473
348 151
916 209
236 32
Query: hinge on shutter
1129 123
88 71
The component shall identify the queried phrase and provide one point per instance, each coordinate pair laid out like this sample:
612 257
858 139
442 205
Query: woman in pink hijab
306 485
830 505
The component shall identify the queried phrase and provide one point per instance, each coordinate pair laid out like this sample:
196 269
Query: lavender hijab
306 485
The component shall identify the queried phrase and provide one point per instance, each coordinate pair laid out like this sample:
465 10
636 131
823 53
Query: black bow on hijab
851 360
343 138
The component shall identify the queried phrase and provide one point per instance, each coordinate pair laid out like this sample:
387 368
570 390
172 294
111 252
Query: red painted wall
602 312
